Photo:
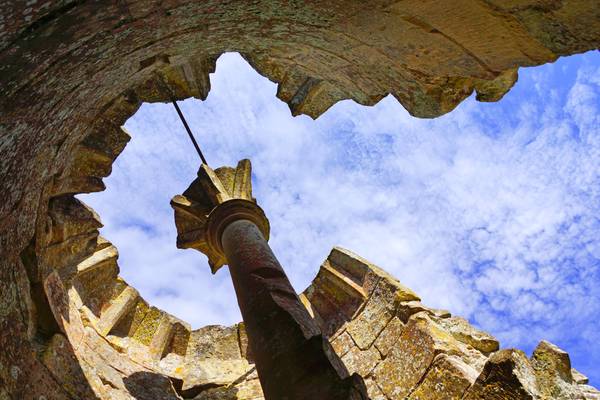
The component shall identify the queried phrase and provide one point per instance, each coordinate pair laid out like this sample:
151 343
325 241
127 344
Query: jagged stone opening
141 226
73 73
65 208
375 325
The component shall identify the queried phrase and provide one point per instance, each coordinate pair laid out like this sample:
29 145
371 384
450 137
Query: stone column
218 216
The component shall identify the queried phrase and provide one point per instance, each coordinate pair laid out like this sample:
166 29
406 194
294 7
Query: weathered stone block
214 356
161 338
68 253
181 337
420 342
65 308
589 393
447 379
361 361
68 217
342 343
578 377
363 272
466 333
246 390
373 390
111 356
552 368
407 309
389 336
334 298
373 318
148 326
506 375
117 309
60 359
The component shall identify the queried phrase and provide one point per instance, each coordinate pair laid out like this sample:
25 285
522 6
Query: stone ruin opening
73 329
367 314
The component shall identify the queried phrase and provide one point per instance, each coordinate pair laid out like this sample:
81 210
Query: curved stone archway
72 72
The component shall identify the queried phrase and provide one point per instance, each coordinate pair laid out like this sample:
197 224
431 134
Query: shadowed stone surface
506 375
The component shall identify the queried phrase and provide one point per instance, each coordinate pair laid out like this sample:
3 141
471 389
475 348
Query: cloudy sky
492 211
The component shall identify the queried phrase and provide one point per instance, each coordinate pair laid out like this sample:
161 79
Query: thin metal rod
189 131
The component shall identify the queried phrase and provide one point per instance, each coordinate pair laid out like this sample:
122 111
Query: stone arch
72 72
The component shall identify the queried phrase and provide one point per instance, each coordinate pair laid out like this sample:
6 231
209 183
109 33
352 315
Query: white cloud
490 211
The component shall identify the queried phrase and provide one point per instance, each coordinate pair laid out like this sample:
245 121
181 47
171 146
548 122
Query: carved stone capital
214 200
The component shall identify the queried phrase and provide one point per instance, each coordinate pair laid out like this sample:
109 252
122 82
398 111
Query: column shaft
292 358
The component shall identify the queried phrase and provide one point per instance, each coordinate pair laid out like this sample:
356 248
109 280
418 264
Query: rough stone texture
374 391
428 356
214 357
578 377
506 375
119 347
245 390
464 332
589 392
361 362
552 368
61 361
342 343
116 346
448 378
373 318
389 336
72 72
404 367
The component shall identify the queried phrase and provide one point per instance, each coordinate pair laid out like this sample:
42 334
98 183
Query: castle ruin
72 72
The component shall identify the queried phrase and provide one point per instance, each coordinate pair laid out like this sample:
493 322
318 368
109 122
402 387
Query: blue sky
491 211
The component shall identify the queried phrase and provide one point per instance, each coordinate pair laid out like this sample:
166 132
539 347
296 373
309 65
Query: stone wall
72 72
98 338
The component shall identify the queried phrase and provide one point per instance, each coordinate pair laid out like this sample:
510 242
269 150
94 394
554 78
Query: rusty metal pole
218 216
292 358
